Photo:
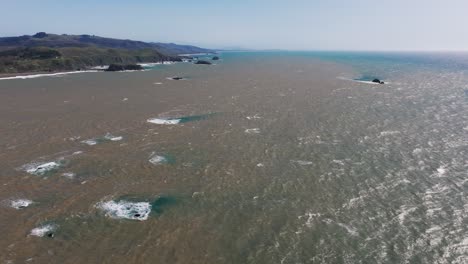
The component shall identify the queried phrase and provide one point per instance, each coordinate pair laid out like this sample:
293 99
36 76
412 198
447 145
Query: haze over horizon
294 25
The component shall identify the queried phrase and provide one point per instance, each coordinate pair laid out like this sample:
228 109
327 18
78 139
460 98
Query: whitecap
252 131
256 116
90 142
389 133
20 203
351 230
159 121
152 64
157 160
42 168
43 230
126 210
302 162
110 137
441 171
69 175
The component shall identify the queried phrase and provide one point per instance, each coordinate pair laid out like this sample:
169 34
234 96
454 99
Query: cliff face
49 52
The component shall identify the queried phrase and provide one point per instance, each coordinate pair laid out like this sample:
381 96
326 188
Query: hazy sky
258 24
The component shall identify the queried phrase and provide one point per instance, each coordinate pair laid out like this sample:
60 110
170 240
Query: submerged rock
203 62
215 58
378 81
124 67
177 78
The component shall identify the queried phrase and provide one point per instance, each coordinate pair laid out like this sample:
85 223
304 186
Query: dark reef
124 67
203 62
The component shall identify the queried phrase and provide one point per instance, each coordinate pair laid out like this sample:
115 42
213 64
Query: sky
389 25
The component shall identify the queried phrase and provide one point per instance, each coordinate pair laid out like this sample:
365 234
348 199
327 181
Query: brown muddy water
275 160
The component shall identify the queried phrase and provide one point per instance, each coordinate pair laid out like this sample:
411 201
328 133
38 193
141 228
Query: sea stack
203 62
378 81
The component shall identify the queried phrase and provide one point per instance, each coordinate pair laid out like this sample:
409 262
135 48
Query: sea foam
157 160
160 121
32 76
126 210
43 230
20 203
252 131
42 168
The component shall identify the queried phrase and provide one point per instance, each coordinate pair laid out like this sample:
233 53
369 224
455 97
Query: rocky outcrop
203 62
378 81
127 67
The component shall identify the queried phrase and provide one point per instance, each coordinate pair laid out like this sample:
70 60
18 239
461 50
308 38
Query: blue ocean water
369 65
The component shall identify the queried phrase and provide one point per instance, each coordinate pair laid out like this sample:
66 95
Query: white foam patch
151 64
157 160
404 212
102 67
254 117
158 83
23 77
126 210
90 142
389 133
160 121
69 175
351 230
252 131
110 137
302 162
42 168
311 217
95 141
441 171
43 230
20 203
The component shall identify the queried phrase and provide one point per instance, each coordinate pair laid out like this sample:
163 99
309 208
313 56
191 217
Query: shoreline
99 68
32 75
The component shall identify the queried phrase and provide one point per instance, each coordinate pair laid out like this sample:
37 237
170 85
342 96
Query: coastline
32 75
100 68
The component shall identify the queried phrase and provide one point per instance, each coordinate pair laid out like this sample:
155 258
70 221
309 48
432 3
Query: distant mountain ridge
53 52
43 39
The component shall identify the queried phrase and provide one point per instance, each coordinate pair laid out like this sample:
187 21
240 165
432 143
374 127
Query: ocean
263 157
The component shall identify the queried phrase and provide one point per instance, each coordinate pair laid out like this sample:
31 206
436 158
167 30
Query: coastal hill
45 52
